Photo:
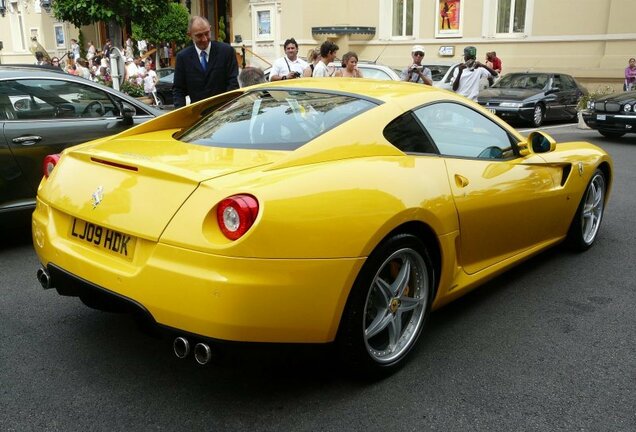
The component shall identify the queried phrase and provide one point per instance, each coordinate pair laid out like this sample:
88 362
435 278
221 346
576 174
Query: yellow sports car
309 211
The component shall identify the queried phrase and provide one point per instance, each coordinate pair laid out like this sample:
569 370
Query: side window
52 99
567 83
406 134
556 82
459 131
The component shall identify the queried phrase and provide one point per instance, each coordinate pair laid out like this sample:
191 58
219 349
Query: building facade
590 39
27 26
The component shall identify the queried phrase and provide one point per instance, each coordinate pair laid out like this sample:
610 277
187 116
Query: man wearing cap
468 75
416 72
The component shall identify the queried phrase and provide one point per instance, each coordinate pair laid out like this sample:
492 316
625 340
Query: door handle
27 140
461 181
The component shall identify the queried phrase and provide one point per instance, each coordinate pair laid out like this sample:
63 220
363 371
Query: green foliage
132 89
80 42
595 94
169 25
85 12
222 35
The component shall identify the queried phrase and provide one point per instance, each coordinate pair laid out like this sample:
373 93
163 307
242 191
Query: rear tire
610 134
587 221
387 307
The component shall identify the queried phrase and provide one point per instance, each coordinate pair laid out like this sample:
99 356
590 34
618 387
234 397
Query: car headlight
511 104
627 108
590 105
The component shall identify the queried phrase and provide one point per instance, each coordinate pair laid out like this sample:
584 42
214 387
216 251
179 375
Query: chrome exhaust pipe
181 347
44 278
202 353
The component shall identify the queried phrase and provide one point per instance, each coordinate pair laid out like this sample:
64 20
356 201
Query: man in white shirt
289 66
328 52
467 76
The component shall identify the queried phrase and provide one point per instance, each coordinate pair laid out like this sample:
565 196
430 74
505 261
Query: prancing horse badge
97 196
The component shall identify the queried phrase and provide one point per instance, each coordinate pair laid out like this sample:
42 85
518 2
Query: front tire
587 221
538 115
387 307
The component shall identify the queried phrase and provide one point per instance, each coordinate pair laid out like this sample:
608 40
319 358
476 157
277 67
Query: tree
85 12
170 25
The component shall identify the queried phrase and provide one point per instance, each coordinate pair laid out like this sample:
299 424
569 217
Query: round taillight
236 214
49 163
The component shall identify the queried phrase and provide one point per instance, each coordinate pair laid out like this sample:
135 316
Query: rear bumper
223 298
625 123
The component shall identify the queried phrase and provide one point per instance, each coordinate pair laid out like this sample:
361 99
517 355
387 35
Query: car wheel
160 100
387 307
538 115
610 134
587 221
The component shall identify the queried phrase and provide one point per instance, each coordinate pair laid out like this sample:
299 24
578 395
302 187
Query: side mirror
540 142
128 113
553 90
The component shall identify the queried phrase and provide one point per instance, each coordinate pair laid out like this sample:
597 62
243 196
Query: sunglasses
418 53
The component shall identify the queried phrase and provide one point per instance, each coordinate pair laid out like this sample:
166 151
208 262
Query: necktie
204 61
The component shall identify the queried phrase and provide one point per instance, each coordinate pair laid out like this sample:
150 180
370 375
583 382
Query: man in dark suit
204 69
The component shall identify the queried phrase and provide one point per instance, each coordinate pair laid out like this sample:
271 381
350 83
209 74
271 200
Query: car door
571 95
15 191
49 115
560 97
505 202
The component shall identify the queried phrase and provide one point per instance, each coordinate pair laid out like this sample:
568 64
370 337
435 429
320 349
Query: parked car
442 73
43 111
309 211
373 70
164 90
162 72
533 97
612 116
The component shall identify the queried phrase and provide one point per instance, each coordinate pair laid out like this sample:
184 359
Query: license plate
105 239
601 117
494 111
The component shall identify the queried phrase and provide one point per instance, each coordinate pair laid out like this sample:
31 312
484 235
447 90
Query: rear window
274 119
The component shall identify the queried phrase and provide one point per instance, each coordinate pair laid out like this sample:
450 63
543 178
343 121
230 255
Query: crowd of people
95 66
466 80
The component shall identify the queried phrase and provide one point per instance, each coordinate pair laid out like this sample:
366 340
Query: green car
43 111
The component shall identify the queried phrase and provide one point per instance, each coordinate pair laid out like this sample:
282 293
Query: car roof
387 91
18 70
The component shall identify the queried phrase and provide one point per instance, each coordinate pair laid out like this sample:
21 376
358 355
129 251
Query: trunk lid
136 184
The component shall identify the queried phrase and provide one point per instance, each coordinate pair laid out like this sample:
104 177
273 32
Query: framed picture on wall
60 40
264 24
264 21
449 18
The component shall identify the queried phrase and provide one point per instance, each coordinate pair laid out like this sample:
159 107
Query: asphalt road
548 346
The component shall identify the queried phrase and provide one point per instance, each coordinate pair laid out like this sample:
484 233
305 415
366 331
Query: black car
613 116
164 89
533 97
42 112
